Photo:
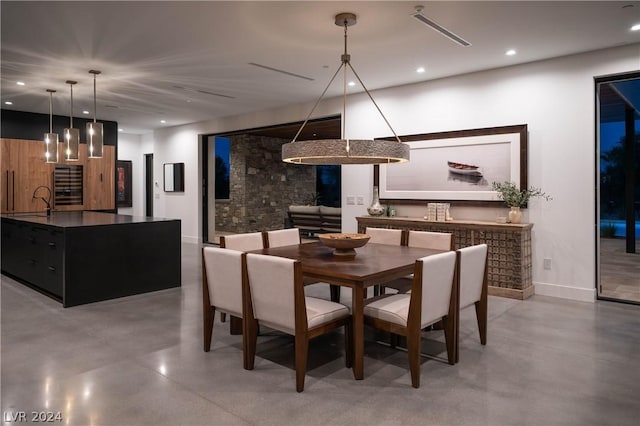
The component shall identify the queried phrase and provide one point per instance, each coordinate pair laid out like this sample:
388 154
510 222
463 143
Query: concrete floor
619 270
139 361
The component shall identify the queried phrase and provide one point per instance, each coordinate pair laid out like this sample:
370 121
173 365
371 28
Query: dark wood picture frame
518 133
123 189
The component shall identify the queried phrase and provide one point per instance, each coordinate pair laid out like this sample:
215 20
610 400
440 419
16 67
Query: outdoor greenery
515 197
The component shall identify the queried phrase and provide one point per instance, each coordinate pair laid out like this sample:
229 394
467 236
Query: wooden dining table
373 264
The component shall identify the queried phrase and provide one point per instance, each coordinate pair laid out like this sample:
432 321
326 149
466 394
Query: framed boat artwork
457 167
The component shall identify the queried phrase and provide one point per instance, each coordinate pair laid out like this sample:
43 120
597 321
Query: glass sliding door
618 224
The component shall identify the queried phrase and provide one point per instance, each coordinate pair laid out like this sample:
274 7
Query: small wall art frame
456 167
123 189
173 177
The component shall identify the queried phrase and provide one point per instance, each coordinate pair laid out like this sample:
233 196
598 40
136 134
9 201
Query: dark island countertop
80 219
84 257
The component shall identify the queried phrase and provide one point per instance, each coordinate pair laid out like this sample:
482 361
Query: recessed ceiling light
85 112
510 52
20 83
163 121
352 83
420 70
636 27
8 103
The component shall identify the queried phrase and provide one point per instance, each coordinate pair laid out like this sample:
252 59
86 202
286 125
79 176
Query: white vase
515 215
375 209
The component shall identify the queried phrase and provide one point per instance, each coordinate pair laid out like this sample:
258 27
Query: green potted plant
516 198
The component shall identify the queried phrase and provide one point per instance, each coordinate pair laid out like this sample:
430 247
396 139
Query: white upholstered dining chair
423 239
282 237
221 287
432 240
433 298
241 242
384 236
472 267
274 296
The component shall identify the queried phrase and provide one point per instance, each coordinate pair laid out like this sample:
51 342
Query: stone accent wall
262 186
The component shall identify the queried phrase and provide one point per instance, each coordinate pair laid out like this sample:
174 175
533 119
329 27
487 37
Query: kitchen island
84 257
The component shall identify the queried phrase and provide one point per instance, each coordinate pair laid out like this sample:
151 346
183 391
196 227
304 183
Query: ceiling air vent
417 15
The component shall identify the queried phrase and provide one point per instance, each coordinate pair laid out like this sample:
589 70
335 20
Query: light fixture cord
317 102
71 111
374 102
95 104
50 112
345 60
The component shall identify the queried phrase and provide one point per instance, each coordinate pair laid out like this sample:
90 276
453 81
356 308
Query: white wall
554 97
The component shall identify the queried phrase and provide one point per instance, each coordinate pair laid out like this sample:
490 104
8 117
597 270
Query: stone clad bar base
509 263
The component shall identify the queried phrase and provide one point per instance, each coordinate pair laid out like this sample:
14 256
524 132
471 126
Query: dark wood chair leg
393 340
235 325
481 317
302 351
223 317
207 325
250 343
450 339
413 350
335 293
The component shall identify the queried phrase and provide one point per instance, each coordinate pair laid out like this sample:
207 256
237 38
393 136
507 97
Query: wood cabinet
99 181
23 170
509 265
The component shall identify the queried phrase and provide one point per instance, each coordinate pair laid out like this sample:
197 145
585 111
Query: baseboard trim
566 292
511 293
192 240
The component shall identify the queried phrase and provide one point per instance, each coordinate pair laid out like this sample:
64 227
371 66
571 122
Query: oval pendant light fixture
71 135
94 129
51 139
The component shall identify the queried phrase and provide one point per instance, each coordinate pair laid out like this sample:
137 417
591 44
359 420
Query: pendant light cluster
345 151
94 132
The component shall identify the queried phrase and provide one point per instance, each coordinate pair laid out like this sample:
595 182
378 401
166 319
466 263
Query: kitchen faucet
47 201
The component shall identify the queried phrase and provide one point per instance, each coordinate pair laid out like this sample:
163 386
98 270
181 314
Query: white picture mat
427 177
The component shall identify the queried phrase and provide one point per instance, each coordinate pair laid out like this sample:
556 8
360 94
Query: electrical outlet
360 200
351 200
547 263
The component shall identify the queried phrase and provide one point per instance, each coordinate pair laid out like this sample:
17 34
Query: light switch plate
350 200
360 200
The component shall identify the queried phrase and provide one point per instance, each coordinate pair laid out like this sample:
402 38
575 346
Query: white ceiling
155 57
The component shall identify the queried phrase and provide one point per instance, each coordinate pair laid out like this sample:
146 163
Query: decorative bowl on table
344 244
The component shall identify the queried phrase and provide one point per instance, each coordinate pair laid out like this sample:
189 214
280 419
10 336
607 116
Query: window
222 167
328 185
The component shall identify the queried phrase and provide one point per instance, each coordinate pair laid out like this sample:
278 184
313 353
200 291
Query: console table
509 246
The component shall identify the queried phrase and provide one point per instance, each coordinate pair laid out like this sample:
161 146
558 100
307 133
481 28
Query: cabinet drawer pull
52 244
51 268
